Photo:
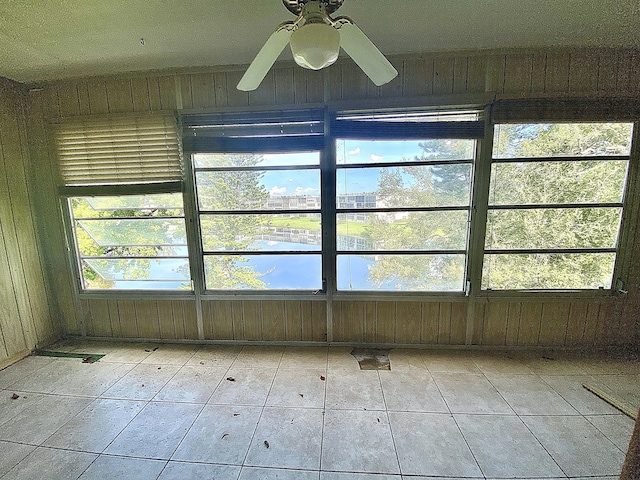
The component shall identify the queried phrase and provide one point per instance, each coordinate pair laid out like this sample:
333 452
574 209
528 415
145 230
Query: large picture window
555 205
260 220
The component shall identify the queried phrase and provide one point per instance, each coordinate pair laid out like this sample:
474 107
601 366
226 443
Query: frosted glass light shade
315 45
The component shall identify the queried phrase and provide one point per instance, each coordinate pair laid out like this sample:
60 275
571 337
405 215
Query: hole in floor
372 359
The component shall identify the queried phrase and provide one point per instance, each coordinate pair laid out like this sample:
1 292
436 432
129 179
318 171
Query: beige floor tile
505 448
184 471
253 356
128 353
357 476
171 354
617 428
571 389
406 360
10 407
256 473
11 454
287 438
47 464
314 358
555 364
431 444
95 427
156 432
22 369
530 395
215 356
99 348
359 389
43 379
40 419
610 366
298 388
340 358
470 393
492 364
221 434
624 388
142 382
250 386
191 384
413 391
577 446
123 468
358 441
90 379
450 362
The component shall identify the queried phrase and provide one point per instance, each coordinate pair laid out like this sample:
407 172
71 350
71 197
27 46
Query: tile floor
231 412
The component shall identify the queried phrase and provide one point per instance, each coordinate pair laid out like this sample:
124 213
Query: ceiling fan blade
266 57
362 50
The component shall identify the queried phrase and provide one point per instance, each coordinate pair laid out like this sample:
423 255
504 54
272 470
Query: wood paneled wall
26 317
425 79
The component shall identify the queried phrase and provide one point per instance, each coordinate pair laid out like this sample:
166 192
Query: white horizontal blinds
118 150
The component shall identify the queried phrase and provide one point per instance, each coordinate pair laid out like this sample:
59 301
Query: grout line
386 412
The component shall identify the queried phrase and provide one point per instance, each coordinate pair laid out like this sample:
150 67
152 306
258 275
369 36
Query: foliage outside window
260 220
402 214
131 242
555 205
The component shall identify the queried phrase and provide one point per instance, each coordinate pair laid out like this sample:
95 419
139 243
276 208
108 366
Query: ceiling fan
315 40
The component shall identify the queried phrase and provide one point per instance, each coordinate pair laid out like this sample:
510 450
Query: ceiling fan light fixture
315 45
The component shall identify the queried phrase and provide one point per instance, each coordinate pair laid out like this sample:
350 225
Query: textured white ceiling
50 39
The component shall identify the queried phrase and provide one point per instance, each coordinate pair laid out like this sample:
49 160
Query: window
131 242
555 205
403 204
260 220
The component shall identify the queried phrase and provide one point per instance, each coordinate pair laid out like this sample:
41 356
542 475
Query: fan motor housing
296 6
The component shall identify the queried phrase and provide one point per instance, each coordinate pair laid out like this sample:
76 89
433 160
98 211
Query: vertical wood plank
530 318
337 322
443 75
557 73
479 314
495 324
370 322
273 321
235 97
458 323
582 74
306 320
319 321
252 319
114 318
430 319
119 96
385 320
394 87
353 321
444 324
293 320
203 90
85 308
494 79
284 85
591 323
355 84
167 85
408 322
517 73
166 321
221 319
539 73
84 104
418 77
127 317
68 98
221 93
314 85
265 94
477 74
190 319
101 320
576 323
140 95
153 87
237 320
607 72
147 317
460 74
97 90
513 323
553 328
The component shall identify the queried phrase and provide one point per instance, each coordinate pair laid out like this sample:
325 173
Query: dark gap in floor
372 359
86 357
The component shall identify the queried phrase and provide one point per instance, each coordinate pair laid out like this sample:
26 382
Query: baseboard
14 358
